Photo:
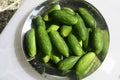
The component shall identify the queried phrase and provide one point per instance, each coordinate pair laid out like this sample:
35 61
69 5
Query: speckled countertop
7 9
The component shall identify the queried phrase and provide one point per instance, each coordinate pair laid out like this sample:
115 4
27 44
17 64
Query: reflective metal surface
52 73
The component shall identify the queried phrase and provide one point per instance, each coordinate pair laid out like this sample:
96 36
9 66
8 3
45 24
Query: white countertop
13 65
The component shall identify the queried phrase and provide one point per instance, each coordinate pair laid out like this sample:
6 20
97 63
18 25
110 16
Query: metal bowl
51 73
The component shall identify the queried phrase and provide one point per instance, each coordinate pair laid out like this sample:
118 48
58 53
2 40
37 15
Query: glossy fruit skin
59 43
53 27
96 40
87 17
38 21
83 66
80 28
43 40
68 40
74 45
68 10
68 63
30 42
106 41
63 17
54 7
65 30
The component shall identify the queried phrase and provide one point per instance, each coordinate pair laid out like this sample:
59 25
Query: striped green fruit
83 66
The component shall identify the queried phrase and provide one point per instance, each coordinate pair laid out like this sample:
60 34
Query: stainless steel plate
49 72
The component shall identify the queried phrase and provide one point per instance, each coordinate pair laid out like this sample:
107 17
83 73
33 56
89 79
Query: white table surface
13 65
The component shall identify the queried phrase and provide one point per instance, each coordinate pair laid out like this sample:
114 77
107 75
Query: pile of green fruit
68 38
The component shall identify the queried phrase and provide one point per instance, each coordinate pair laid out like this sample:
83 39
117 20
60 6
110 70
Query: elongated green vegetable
30 43
56 57
83 66
74 45
80 28
95 65
106 41
53 27
54 7
63 17
46 58
68 63
43 40
87 17
86 42
65 30
96 40
38 21
68 10
68 40
42 57
59 43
